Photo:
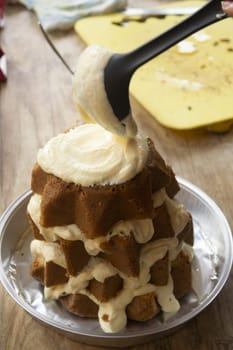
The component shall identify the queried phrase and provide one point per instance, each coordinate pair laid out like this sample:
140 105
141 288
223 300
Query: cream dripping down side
100 270
90 155
90 95
115 308
142 229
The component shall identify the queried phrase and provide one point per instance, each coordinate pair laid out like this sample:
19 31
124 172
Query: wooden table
35 104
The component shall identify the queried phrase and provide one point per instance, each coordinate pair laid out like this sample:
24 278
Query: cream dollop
90 94
90 155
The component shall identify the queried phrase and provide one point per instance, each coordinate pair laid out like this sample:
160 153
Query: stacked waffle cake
110 239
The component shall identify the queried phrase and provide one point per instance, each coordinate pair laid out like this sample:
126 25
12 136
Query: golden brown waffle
143 307
181 275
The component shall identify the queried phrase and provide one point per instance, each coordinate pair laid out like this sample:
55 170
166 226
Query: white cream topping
90 94
159 198
156 250
112 314
115 309
166 298
177 213
90 155
187 249
142 230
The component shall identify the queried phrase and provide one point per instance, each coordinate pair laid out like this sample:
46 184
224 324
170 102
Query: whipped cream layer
115 308
142 229
90 94
90 155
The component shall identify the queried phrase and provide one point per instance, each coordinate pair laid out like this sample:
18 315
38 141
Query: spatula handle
121 67
208 14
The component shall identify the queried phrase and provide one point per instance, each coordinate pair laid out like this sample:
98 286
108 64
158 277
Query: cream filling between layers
90 155
99 269
142 230
178 215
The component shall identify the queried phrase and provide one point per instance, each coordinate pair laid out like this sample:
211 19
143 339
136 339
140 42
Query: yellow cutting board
188 86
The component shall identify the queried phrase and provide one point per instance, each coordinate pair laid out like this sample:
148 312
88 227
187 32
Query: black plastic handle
121 67
208 14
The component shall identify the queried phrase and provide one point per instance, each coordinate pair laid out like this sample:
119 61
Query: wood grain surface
35 104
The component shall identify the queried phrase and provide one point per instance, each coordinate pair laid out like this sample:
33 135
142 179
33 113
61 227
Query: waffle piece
187 234
100 207
162 223
160 271
37 269
123 253
182 275
96 209
106 290
80 305
54 274
142 307
173 187
58 202
35 230
48 273
39 179
75 254
160 172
